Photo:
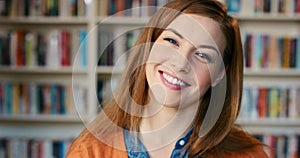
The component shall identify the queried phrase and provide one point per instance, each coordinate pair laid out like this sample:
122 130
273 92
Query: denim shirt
139 150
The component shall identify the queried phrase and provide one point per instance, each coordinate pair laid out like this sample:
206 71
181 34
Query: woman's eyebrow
200 46
175 32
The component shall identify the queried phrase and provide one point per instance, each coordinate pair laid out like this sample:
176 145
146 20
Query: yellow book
274 106
273 53
286 49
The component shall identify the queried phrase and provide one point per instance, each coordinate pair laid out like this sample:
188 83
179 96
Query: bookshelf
47 127
254 21
49 96
270 108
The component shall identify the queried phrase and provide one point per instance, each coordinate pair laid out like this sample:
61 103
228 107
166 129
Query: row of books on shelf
105 89
35 98
114 48
271 51
282 146
271 102
33 148
35 8
54 48
249 7
136 8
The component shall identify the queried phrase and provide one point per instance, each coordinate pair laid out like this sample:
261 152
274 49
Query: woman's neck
165 126
155 120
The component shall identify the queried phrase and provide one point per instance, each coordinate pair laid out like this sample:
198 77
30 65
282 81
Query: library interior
58 67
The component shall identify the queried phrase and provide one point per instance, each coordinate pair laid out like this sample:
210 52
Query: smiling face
185 61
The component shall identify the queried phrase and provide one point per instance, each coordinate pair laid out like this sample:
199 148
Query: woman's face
185 61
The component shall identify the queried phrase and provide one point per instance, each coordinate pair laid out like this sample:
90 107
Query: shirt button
181 142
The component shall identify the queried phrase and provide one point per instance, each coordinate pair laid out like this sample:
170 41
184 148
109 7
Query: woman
181 92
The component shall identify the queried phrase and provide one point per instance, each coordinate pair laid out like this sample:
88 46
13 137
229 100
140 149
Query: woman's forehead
198 30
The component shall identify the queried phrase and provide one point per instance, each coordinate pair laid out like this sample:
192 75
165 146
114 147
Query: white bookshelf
268 17
45 20
59 126
49 126
43 70
41 118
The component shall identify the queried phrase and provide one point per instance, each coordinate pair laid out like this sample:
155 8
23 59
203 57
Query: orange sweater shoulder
87 145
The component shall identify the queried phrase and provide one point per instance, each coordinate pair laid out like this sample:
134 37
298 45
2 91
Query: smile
172 82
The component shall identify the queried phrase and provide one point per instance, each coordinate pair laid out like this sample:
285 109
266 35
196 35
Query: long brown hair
133 88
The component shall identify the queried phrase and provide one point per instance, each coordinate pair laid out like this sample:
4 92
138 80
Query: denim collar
136 149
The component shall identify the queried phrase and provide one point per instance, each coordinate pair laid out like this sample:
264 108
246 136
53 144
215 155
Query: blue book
33 96
83 48
8 97
62 96
54 97
233 6
298 52
258 51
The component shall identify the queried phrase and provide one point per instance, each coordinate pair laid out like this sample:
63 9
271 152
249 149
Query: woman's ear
219 78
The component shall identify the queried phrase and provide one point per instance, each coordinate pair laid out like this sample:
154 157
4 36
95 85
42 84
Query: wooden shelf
268 17
45 20
42 70
254 17
270 122
273 72
40 119
123 20
271 126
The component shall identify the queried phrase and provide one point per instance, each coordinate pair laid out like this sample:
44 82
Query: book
34 147
286 48
54 51
270 102
65 48
298 52
233 6
83 48
266 51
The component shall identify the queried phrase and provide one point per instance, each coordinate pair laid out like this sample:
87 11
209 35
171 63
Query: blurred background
61 59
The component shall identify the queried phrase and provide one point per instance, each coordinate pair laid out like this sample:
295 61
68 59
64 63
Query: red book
265 57
262 102
20 54
120 6
65 48
297 9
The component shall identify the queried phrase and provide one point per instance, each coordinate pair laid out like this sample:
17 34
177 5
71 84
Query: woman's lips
172 82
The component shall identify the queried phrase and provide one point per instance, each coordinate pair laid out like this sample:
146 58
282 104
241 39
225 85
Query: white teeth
173 80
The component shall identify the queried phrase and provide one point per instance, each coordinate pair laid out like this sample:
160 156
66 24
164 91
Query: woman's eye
204 57
172 41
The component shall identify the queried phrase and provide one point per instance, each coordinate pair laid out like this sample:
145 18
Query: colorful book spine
248 7
282 145
38 99
34 8
135 8
83 48
33 147
55 48
270 102
116 50
263 51
298 52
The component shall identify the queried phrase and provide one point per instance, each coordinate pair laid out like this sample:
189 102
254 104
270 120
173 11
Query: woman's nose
180 62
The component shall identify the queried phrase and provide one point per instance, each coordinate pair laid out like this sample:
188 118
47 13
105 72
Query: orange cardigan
88 146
